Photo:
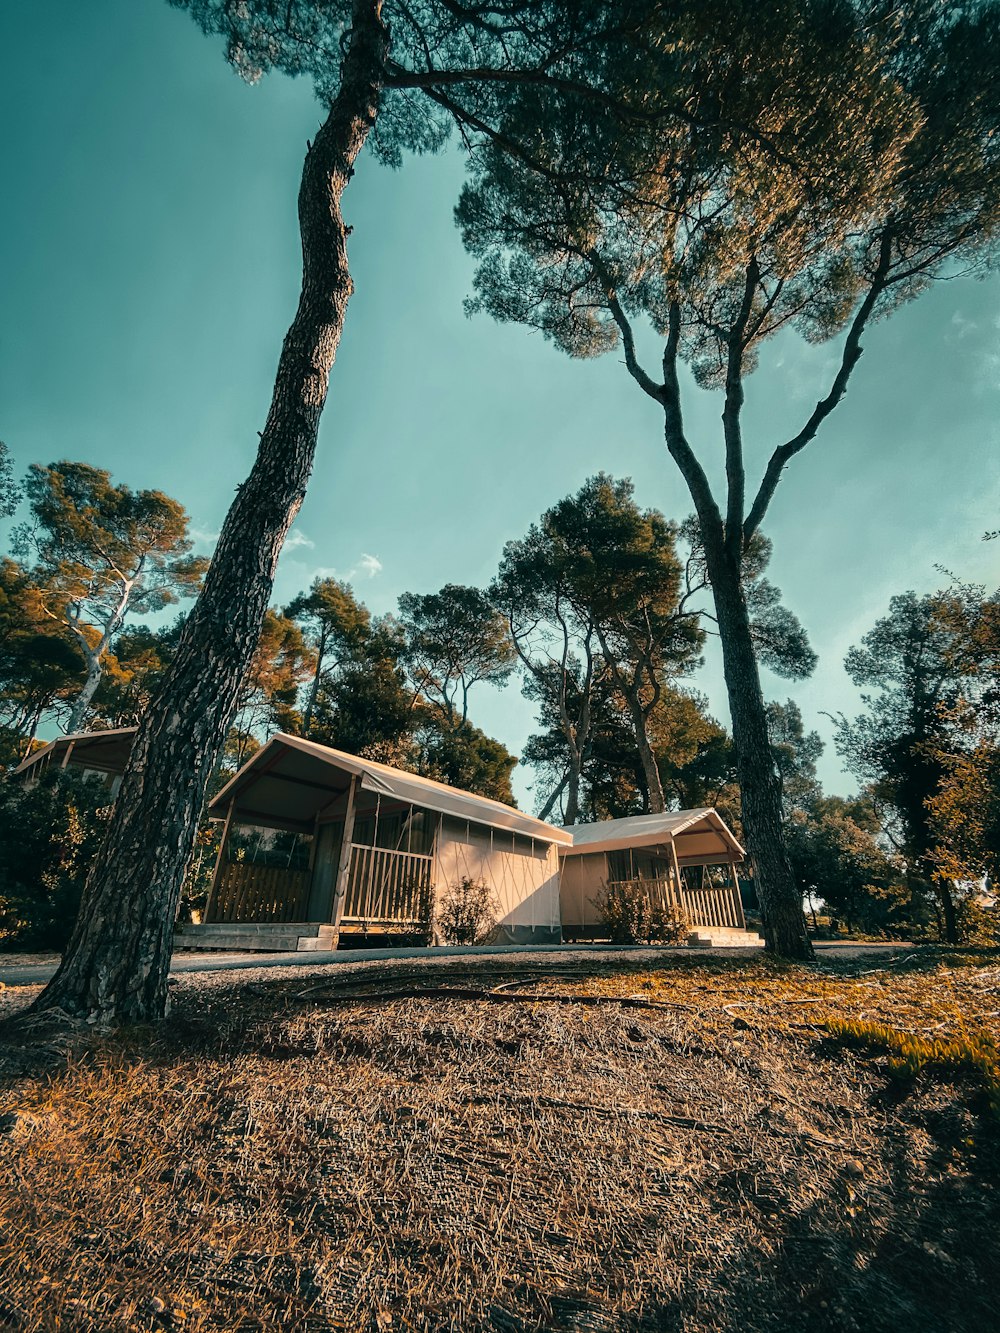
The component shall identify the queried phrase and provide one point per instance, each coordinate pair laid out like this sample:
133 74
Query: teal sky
149 269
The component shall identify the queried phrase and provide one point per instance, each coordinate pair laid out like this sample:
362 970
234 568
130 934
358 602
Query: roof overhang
698 836
103 751
293 783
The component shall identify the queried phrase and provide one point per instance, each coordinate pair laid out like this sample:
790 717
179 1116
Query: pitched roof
107 750
653 830
307 764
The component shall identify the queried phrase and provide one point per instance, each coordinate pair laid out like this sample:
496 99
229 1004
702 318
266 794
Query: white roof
311 769
704 825
94 749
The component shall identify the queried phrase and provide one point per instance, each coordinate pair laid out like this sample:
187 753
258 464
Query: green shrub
49 833
633 918
467 912
971 1054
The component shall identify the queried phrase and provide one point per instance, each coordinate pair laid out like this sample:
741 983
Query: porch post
681 901
344 867
741 920
213 892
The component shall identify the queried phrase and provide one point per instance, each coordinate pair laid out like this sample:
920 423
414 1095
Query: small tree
49 833
101 553
625 577
454 638
466 912
929 674
269 696
40 669
10 492
336 626
464 757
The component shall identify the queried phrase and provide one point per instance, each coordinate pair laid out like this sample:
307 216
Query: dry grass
717 1160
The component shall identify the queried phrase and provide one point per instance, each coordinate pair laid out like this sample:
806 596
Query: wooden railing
711 905
386 887
714 905
246 892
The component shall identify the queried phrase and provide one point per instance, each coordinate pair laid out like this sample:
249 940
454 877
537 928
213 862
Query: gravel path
29 970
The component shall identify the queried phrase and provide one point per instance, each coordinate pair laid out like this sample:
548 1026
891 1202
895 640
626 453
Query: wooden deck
716 905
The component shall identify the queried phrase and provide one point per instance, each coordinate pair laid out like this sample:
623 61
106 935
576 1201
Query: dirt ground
590 1144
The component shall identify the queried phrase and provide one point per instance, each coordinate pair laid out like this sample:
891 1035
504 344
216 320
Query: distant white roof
294 778
107 750
695 831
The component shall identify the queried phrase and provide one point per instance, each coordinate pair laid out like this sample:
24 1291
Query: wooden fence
246 892
386 887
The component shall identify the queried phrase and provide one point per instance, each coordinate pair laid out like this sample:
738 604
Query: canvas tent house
319 844
684 859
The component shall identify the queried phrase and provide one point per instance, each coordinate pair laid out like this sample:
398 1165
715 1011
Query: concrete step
265 936
723 937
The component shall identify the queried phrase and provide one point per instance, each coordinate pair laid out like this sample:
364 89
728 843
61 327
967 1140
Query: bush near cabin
633 918
49 833
467 912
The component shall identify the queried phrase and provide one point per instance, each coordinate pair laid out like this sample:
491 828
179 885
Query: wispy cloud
203 536
296 540
960 328
366 566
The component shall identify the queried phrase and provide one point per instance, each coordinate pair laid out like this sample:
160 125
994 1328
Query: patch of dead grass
277 1160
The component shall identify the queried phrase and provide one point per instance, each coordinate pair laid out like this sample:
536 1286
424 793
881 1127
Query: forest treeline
601 612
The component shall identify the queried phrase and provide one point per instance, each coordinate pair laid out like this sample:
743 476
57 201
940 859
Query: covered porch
683 860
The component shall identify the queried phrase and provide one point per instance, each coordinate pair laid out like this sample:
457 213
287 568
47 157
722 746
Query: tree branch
731 412
677 444
644 380
849 359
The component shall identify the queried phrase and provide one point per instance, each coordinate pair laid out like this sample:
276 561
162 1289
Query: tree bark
650 768
948 912
82 702
94 657
655 798
116 964
573 789
760 783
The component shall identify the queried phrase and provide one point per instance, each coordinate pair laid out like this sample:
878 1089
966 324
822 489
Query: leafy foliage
453 639
101 553
633 917
974 1054
927 741
10 493
48 834
466 912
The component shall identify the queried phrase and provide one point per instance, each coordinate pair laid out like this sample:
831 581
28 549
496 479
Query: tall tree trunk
948 912
314 688
760 783
82 702
118 958
549 805
655 798
94 657
650 768
573 790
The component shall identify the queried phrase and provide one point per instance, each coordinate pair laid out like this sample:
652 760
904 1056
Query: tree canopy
836 158
100 553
